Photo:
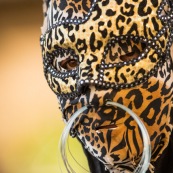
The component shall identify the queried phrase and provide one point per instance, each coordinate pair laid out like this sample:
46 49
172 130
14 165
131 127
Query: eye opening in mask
65 60
131 49
69 64
123 50
129 56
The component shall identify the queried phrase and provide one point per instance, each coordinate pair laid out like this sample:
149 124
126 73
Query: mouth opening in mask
111 126
146 155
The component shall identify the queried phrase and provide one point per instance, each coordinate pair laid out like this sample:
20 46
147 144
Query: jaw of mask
118 51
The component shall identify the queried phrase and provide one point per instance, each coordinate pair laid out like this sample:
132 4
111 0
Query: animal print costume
118 50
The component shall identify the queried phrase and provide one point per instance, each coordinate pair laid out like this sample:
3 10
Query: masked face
118 50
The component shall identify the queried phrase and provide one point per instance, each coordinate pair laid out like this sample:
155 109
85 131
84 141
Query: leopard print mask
119 50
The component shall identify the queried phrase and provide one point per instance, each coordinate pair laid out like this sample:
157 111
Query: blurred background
30 122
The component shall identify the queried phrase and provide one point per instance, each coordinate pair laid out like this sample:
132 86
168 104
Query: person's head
118 50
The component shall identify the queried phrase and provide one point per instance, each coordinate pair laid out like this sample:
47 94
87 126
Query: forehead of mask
88 40
123 12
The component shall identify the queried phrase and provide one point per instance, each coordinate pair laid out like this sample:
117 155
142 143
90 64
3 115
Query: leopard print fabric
118 50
